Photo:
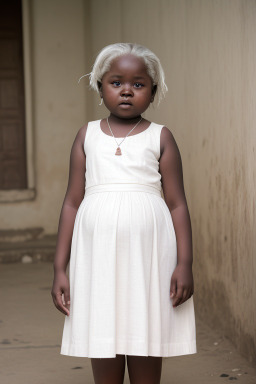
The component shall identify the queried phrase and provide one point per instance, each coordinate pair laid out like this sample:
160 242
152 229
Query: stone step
34 250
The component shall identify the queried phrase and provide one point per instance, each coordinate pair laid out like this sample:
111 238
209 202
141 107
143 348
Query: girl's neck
117 120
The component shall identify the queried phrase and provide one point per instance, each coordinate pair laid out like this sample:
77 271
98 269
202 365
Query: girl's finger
173 289
190 292
178 297
185 296
60 306
56 304
67 298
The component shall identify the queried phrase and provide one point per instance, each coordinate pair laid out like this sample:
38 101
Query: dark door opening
13 173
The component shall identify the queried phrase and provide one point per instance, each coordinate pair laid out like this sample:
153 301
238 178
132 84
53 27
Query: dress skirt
123 254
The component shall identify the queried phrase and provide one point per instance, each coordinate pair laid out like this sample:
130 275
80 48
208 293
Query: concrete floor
31 330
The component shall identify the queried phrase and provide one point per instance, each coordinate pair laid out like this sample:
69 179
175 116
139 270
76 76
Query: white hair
110 52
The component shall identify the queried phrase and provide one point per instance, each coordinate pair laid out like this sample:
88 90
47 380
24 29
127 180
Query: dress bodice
139 162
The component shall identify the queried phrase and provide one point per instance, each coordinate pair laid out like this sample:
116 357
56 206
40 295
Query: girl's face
127 89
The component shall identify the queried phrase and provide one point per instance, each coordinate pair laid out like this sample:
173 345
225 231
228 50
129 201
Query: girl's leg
144 369
108 370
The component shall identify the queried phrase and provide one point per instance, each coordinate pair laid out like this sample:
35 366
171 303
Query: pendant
118 151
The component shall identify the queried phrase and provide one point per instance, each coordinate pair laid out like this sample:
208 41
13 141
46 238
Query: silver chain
127 133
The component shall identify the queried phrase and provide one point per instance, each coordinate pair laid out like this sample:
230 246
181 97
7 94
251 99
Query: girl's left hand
182 284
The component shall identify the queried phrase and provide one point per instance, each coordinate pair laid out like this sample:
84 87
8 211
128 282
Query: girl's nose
126 91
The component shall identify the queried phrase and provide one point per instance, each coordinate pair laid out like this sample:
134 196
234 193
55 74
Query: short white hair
110 52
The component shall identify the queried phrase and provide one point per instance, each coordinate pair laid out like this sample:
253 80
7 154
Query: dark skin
127 80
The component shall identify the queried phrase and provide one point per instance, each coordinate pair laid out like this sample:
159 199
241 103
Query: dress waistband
108 187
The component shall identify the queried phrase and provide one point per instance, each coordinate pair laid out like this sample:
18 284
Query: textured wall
208 52
207 49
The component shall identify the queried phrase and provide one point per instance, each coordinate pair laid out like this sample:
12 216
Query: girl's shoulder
82 130
160 128
164 130
88 130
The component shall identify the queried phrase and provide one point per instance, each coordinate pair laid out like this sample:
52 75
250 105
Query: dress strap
90 131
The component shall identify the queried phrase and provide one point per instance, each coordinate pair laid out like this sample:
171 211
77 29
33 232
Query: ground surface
31 330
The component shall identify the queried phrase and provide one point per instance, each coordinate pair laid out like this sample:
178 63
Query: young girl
130 287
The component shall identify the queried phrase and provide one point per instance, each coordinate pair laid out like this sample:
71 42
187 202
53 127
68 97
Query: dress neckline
137 134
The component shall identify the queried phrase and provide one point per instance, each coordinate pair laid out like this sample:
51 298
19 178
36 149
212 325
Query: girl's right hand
61 286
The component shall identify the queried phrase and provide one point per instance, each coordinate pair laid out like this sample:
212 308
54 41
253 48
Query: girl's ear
154 89
100 87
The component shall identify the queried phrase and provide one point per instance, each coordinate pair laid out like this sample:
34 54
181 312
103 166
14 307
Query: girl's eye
117 83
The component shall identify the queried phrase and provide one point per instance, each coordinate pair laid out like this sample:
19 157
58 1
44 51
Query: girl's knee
108 370
144 369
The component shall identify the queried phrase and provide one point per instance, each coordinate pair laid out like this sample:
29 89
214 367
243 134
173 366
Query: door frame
29 193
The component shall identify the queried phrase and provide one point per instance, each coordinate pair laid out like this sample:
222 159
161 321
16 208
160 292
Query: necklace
118 150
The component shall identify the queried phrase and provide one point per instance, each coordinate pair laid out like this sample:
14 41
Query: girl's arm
170 167
73 198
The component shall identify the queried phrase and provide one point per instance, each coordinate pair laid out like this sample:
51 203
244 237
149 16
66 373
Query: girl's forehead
130 63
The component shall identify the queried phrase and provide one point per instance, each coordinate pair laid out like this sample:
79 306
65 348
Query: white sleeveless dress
123 254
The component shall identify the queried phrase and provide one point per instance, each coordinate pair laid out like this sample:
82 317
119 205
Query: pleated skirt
123 254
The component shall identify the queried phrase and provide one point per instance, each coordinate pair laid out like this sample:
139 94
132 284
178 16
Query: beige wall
58 57
207 49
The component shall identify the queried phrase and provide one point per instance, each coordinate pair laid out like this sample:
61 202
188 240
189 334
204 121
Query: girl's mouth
125 103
